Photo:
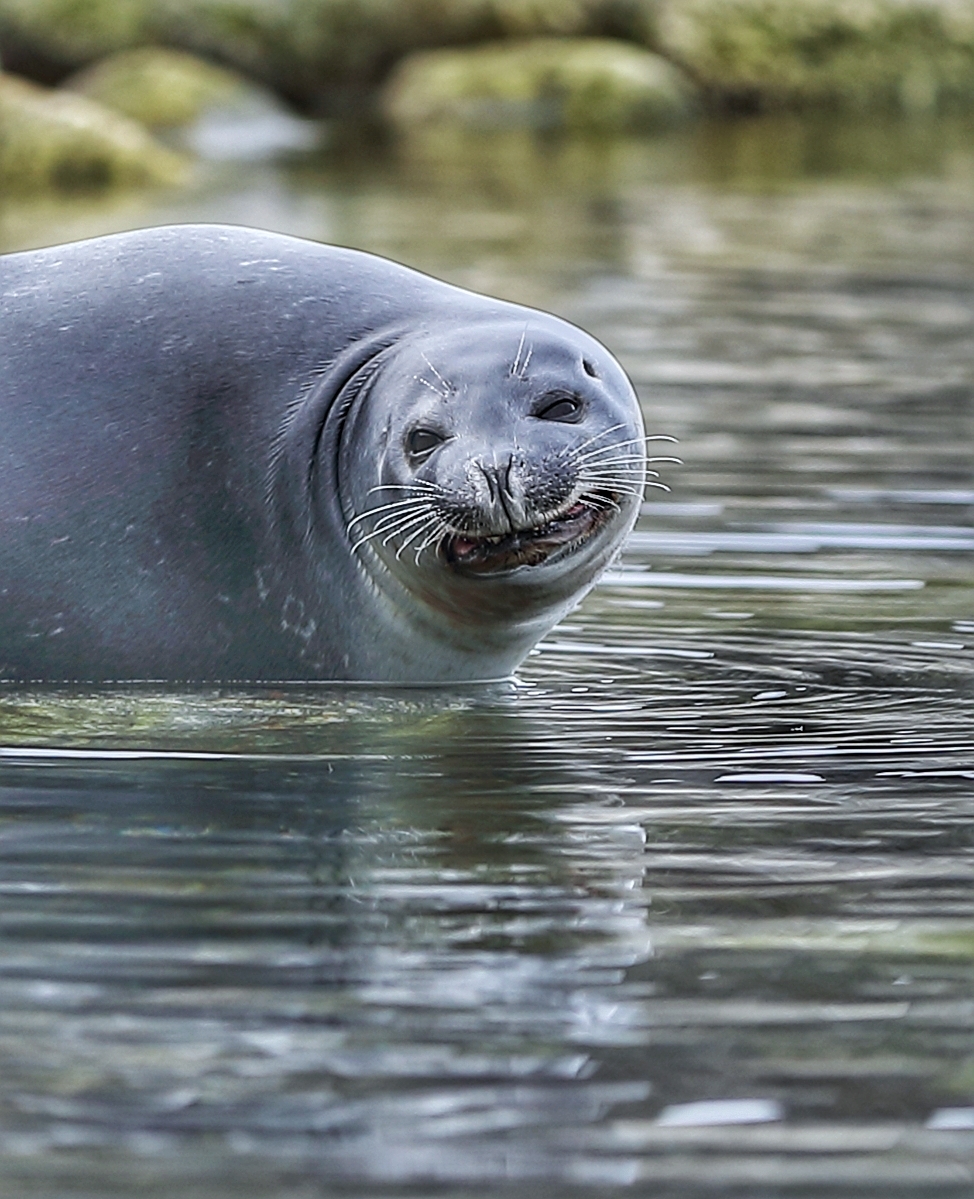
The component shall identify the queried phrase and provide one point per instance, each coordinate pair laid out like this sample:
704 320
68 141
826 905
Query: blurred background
499 142
686 909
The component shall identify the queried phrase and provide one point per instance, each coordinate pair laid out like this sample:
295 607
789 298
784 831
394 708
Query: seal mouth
502 552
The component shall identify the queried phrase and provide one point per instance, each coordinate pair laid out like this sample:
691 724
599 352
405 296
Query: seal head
505 468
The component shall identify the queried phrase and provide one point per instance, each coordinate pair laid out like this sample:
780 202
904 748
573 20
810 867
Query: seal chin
470 553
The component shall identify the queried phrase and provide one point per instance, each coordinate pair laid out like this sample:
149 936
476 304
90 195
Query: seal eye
422 441
561 408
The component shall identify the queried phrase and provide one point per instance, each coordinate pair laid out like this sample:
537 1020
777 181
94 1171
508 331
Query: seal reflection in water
231 455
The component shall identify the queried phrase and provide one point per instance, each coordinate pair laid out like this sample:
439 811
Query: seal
231 455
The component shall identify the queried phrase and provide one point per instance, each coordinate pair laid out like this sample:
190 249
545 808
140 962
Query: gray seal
230 455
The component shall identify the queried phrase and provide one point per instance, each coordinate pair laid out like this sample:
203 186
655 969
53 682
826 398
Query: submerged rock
912 54
56 140
570 83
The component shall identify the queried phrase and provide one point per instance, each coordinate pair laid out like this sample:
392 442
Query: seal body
227 454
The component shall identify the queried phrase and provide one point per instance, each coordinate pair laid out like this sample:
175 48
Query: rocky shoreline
585 66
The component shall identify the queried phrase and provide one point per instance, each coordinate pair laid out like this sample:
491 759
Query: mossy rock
567 83
160 88
63 34
329 55
910 54
313 52
59 141
214 112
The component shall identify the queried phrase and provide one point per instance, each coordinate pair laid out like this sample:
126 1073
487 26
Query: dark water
686 909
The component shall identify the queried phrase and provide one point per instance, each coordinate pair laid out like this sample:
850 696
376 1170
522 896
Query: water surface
684 909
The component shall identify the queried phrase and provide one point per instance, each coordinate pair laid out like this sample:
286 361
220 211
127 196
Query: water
685 909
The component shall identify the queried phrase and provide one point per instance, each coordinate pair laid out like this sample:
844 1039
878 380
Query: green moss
55 140
157 87
912 54
72 32
572 83
310 51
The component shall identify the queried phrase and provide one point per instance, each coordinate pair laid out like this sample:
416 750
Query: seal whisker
602 502
616 473
622 460
379 533
399 504
613 479
426 383
614 476
369 536
392 524
432 539
421 497
635 457
599 436
620 467
418 531
619 444
446 383
393 521
629 455
418 523
612 446
614 487
418 484
517 357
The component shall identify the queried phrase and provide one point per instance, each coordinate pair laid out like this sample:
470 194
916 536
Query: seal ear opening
589 368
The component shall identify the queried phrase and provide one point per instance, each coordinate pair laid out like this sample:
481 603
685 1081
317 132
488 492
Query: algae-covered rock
313 52
61 141
327 55
912 54
58 35
158 87
570 83
218 113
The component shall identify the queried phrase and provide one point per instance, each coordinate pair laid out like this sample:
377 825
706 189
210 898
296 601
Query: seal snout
500 501
512 513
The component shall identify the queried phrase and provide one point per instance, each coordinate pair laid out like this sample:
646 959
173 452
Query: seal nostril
491 491
589 369
505 477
